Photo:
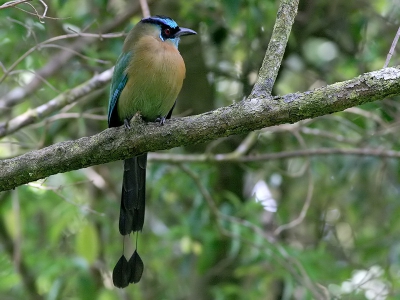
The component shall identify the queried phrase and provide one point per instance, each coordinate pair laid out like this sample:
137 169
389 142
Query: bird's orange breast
155 76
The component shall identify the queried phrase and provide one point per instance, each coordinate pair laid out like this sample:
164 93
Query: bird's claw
161 120
127 124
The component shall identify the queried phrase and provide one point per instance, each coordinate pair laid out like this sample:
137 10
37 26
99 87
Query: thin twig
37 114
13 3
57 38
145 8
366 114
307 163
39 16
76 116
329 135
207 196
391 51
45 9
36 12
304 210
222 158
310 190
56 190
18 234
100 61
28 28
3 67
38 76
245 145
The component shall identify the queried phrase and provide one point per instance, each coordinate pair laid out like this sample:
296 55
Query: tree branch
276 48
223 158
242 117
12 3
34 115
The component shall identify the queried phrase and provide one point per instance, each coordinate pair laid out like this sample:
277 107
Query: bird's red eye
167 31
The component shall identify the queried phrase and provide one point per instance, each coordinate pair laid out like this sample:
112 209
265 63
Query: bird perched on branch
147 78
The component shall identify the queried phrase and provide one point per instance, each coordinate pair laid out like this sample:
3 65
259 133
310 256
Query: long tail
133 195
131 218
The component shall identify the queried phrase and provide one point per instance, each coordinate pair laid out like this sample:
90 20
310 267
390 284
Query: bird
147 79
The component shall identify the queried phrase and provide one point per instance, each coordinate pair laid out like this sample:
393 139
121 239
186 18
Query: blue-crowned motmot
147 78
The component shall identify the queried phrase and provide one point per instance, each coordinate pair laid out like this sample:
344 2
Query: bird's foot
161 120
127 123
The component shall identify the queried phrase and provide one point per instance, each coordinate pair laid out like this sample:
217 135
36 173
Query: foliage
205 236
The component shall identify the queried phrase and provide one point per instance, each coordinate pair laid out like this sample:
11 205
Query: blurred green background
212 230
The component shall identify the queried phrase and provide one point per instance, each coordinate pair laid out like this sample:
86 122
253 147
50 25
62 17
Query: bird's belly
152 91
148 102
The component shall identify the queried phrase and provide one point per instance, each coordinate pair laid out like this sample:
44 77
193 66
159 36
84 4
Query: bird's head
165 28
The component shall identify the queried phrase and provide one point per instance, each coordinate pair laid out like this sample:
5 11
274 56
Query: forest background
294 211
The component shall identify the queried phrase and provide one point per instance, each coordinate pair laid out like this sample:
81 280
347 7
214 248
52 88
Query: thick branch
276 48
254 113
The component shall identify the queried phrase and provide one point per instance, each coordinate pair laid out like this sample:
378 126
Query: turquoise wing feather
118 83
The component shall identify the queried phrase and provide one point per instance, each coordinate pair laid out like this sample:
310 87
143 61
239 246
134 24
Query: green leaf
87 243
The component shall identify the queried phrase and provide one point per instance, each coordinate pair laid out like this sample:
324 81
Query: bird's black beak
184 31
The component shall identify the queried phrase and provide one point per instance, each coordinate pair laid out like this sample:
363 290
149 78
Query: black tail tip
126 272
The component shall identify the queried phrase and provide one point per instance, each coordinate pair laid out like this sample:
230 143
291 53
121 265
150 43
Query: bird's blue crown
161 20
